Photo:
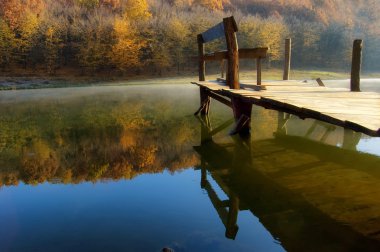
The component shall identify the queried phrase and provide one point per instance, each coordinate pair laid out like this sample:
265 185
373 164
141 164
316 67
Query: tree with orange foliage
11 11
127 49
125 53
137 10
7 41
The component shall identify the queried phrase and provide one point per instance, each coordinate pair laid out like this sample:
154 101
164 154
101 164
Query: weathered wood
288 55
241 125
253 53
205 101
356 65
242 113
253 87
230 29
244 53
201 61
215 56
358 111
320 82
221 99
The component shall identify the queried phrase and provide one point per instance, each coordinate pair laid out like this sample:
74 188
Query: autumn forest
132 36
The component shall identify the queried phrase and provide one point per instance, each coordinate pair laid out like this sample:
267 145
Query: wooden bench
227 29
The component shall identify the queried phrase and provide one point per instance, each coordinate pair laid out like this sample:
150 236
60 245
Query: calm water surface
131 169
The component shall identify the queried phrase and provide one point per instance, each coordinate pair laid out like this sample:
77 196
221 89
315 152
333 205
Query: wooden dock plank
356 110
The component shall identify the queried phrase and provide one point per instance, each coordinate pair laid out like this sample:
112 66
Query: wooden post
320 82
230 29
222 69
242 114
201 61
288 55
356 65
258 66
203 174
205 101
233 211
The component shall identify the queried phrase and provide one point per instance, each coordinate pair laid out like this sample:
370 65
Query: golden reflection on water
304 180
90 139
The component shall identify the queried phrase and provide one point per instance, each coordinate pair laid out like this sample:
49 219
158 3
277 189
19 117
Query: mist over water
130 168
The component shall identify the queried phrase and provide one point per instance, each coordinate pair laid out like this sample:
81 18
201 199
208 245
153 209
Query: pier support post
288 55
356 65
205 99
205 102
233 211
242 113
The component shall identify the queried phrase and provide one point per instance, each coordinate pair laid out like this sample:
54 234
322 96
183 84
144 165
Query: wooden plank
221 99
253 53
244 53
359 111
321 95
215 56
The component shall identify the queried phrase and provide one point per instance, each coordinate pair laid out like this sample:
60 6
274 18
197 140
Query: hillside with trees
157 37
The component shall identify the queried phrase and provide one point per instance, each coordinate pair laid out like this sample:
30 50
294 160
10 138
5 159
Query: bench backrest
228 29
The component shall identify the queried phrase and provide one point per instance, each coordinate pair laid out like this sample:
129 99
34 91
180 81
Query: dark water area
129 168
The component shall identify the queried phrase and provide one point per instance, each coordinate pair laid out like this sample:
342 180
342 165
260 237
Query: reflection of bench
228 29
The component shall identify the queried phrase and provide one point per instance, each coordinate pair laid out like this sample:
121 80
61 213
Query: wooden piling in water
205 101
288 54
356 65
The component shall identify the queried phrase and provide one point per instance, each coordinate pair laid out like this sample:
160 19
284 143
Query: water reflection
307 182
98 138
311 195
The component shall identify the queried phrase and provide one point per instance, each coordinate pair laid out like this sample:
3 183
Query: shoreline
62 81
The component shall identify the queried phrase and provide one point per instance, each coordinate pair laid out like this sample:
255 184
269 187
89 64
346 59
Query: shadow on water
310 195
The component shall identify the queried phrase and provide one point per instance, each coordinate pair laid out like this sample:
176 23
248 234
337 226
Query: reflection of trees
38 162
101 140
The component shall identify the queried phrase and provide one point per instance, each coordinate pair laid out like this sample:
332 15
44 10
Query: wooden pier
348 108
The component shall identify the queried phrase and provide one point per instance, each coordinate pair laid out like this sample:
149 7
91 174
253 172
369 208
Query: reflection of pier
282 182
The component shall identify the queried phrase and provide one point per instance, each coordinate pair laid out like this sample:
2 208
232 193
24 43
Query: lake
130 168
